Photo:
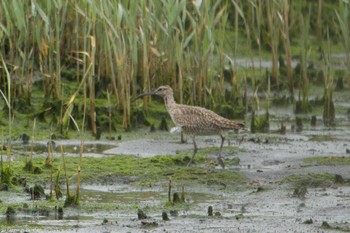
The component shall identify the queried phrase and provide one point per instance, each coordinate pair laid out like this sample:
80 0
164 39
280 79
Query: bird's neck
169 100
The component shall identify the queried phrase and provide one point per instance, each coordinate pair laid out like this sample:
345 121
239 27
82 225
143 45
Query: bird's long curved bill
141 95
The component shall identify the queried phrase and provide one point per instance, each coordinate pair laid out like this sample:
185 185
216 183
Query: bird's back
197 120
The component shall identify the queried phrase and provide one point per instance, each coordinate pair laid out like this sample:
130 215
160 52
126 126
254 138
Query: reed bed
134 46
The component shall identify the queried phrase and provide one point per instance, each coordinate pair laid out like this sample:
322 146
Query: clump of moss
340 84
60 213
4 187
19 181
71 201
325 225
165 216
6 175
301 107
139 119
10 212
25 138
308 221
313 121
339 227
210 211
158 168
260 123
338 179
176 198
283 128
37 170
28 166
281 101
36 192
174 213
329 160
163 125
310 180
217 214
300 192
328 110
21 105
260 189
230 111
299 124
141 215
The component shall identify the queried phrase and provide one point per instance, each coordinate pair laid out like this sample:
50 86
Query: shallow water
72 147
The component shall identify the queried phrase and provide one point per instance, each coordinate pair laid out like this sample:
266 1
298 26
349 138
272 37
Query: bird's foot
221 162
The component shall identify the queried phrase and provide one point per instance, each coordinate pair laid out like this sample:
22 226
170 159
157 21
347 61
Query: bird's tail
240 125
229 124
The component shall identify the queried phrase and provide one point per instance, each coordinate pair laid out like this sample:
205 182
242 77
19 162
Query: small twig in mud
300 192
141 215
165 216
169 190
183 194
210 211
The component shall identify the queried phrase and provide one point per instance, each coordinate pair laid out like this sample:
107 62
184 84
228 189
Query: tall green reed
8 101
343 19
327 69
141 44
283 14
273 29
305 50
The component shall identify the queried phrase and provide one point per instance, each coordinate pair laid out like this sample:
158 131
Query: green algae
328 160
313 180
322 138
130 169
340 227
158 169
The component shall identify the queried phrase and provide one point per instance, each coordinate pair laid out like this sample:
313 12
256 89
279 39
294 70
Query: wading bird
194 120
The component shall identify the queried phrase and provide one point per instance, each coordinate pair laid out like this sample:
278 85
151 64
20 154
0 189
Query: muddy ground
292 182
265 202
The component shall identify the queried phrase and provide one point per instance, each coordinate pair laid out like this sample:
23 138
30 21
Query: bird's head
160 91
163 91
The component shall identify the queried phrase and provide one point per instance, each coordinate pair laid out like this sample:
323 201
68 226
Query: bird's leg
194 151
222 143
220 159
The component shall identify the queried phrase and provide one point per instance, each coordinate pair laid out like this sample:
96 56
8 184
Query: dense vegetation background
62 61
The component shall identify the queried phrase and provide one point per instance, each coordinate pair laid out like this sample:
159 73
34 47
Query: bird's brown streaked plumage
195 120
200 121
